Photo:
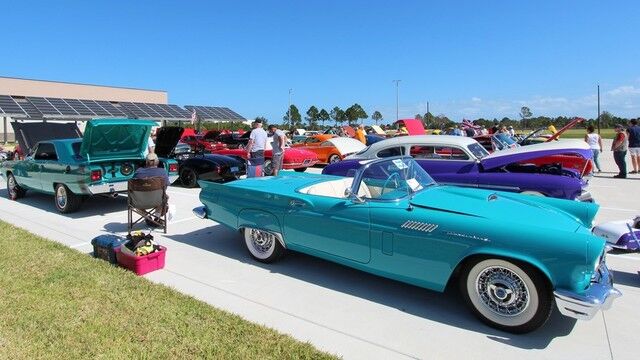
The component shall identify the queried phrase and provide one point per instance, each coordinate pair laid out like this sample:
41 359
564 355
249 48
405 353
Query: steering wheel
391 177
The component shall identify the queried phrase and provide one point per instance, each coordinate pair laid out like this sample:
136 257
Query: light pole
598 108
397 97
289 109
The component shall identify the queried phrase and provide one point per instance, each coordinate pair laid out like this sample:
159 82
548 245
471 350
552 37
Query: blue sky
469 59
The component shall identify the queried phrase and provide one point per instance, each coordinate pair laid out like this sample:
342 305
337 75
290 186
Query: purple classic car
457 160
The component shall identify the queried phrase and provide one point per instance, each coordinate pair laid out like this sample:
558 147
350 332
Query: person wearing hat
619 148
151 169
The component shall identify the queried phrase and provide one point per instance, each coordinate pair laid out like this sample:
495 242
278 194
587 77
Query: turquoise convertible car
512 255
73 168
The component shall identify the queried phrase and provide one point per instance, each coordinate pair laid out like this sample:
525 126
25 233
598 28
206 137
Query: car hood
114 139
166 139
346 145
28 134
525 153
506 208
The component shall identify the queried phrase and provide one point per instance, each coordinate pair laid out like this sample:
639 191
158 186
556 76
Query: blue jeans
596 161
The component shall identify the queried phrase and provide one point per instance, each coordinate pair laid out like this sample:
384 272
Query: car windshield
393 178
504 141
478 150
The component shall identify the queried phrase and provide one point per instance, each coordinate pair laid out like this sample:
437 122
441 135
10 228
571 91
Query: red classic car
296 159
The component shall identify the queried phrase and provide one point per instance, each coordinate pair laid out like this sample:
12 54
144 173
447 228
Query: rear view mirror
348 193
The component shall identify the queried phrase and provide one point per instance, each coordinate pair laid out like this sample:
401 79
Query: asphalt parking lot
345 311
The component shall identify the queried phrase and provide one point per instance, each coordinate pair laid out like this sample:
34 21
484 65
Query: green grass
57 303
579 133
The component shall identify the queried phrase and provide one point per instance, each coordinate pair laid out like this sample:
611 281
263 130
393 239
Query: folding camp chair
145 198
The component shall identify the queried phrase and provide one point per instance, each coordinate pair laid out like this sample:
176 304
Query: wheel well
455 275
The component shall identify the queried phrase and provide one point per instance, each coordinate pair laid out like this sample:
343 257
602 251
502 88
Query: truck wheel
14 190
66 201
263 246
504 295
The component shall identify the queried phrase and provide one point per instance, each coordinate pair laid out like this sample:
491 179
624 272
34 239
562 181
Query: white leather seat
335 188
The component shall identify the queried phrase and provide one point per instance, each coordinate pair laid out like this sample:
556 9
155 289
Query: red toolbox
142 264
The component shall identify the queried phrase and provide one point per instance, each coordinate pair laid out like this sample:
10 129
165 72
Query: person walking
255 148
634 145
619 148
277 145
595 143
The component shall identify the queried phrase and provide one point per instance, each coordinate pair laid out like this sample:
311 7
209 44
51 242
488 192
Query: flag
194 117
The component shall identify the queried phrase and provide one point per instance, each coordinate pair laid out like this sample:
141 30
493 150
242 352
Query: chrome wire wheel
61 197
502 291
12 187
507 295
263 245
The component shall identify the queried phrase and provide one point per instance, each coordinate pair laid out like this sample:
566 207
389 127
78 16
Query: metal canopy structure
42 108
214 113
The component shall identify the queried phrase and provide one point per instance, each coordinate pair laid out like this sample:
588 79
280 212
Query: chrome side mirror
348 193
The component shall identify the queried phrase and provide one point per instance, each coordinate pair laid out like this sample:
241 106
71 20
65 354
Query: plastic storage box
104 247
142 264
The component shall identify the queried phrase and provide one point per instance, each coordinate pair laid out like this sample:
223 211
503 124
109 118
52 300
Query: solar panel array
215 113
46 107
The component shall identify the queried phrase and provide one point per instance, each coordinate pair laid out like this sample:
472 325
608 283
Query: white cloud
623 100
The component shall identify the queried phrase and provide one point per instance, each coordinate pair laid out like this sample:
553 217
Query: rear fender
259 219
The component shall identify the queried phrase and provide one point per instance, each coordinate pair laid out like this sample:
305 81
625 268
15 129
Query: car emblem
419 226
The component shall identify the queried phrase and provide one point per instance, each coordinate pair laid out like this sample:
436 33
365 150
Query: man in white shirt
256 145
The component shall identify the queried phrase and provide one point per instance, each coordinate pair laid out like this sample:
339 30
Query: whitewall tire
263 246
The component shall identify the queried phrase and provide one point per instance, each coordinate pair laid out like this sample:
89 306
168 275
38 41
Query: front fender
490 251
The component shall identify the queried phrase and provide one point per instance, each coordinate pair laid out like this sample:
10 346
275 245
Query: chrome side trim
419 226
599 296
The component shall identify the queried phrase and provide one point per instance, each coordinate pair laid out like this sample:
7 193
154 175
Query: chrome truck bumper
116 187
599 296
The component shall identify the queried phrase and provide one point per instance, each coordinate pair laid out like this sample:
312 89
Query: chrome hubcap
11 184
61 197
262 241
502 291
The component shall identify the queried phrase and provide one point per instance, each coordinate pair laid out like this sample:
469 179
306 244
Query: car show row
420 209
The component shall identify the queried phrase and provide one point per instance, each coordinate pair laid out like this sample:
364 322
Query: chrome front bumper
599 296
585 196
200 212
117 187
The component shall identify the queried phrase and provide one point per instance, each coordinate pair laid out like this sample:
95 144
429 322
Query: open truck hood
166 140
28 134
115 139
530 152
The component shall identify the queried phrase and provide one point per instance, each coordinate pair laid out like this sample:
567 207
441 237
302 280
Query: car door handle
296 203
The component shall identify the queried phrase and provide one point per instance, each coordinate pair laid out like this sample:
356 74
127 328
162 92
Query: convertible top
28 134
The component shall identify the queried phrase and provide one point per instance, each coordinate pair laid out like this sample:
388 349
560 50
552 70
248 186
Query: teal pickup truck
72 168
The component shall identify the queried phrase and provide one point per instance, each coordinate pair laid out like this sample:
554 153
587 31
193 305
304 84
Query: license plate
234 169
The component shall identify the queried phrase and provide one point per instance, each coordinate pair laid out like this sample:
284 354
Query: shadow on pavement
447 308
625 278
92 206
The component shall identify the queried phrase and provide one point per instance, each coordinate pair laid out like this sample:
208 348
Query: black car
196 166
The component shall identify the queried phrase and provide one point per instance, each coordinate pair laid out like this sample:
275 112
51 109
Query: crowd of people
626 140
